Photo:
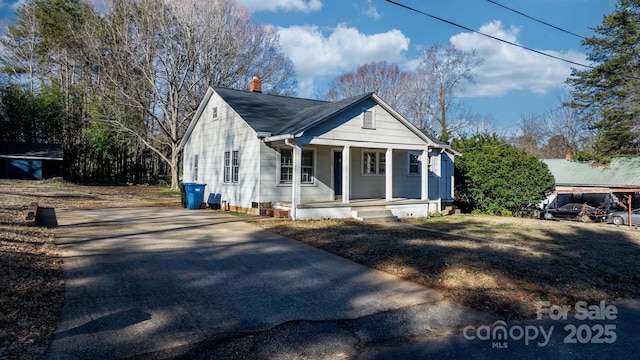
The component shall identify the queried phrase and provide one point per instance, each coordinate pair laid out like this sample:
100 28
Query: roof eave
31 157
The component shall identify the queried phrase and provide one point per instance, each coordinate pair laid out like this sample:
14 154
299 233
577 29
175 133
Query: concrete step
450 210
374 215
390 218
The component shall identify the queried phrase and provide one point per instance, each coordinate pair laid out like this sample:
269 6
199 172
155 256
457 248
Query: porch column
425 174
297 182
346 173
388 175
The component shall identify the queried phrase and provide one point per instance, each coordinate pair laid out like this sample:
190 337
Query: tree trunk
175 156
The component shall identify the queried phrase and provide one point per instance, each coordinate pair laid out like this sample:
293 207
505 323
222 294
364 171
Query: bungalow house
29 161
314 159
594 183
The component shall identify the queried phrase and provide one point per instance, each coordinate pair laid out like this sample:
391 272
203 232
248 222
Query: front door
337 173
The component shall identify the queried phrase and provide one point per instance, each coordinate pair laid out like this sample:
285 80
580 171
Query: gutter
284 137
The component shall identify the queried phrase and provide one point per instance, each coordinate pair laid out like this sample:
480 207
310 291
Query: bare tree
19 43
383 78
443 71
418 104
473 124
531 134
159 58
571 123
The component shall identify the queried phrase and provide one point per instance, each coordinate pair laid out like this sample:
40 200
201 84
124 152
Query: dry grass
501 265
64 195
31 276
31 286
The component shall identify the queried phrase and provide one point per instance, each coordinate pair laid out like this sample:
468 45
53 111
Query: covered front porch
336 179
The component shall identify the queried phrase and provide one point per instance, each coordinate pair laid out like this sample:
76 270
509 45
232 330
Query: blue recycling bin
195 195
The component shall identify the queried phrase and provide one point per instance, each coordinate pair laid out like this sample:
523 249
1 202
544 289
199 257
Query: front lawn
497 264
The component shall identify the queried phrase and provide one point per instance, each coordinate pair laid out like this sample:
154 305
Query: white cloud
286 5
508 68
316 55
370 10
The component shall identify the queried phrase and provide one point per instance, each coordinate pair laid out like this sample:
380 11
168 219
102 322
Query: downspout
260 177
261 136
294 200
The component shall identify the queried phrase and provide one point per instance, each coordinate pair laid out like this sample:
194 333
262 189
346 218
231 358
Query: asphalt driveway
180 284
140 281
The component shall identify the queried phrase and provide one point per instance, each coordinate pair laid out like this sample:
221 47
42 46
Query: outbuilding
30 161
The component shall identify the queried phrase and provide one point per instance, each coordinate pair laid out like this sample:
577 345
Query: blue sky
325 38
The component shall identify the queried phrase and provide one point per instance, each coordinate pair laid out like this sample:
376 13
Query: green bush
494 177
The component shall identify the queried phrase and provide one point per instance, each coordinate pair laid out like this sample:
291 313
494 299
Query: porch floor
353 203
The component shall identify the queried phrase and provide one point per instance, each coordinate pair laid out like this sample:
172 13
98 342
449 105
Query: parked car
575 211
622 217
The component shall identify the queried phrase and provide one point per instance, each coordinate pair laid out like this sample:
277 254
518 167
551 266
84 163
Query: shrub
497 178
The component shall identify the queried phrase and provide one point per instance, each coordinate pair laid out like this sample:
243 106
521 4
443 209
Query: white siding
209 140
273 191
404 185
364 186
348 127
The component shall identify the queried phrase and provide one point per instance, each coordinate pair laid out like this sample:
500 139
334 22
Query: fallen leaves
31 287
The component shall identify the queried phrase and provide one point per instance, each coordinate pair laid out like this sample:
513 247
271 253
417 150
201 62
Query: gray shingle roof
30 150
281 114
621 172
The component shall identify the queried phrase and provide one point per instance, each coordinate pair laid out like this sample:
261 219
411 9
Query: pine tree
610 90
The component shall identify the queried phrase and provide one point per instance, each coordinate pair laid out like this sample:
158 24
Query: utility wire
487 35
535 19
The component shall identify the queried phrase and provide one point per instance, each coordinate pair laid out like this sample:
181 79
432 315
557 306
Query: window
306 162
369 163
214 113
367 119
227 167
231 166
195 167
235 167
382 162
373 162
414 163
286 166
307 167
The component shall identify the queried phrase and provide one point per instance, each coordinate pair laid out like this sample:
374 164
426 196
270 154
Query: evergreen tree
495 177
610 91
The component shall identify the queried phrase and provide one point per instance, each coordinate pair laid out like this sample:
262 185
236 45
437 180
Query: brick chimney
568 154
255 85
